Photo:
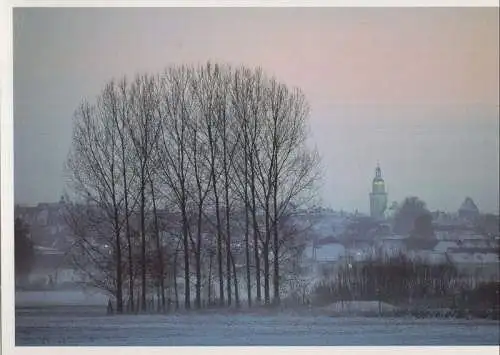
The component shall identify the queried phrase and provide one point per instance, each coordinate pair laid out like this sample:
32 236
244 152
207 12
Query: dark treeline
24 252
190 174
412 284
396 279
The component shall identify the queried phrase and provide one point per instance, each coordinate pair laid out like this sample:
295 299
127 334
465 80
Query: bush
482 301
395 280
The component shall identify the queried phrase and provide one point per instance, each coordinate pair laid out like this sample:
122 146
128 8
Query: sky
415 89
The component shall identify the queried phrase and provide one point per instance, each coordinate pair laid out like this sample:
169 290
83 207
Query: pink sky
390 56
364 72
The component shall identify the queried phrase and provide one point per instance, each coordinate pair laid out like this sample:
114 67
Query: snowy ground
88 326
59 298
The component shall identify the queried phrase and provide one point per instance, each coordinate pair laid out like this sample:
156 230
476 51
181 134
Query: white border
255 3
6 178
262 350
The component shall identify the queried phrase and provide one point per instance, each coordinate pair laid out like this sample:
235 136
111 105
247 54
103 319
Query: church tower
378 196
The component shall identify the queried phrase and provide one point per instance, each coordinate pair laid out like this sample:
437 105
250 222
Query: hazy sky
416 89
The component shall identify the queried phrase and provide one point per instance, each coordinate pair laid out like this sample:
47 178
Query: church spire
378 171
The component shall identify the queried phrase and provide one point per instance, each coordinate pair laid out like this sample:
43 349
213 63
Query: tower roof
468 206
378 174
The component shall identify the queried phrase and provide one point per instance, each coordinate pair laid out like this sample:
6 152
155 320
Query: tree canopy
220 149
423 226
407 214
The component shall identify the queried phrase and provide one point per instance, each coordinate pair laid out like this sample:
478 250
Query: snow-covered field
88 326
60 298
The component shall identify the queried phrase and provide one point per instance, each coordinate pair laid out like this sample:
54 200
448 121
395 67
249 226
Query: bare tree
159 250
93 169
241 92
283 169
199 159
256 112
121 121
174 111
144 130
91 252
203 88
295 168
230 136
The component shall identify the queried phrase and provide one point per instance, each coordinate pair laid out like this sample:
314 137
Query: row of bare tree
187 164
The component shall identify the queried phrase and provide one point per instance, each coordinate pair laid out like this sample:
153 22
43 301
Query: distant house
391 245
391 211
468 210
480 264
322 256
52 268
478 242
420 243
455 232
445 245
47 224
329 253
429 256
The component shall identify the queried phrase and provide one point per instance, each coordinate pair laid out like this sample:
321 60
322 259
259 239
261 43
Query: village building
378 196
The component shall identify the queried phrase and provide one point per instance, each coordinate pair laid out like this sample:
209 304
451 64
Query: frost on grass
35 327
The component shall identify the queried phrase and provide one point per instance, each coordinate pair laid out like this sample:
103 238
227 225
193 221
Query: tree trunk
228 228
127 229
219 243
143 239
119 294
187 282
176 289
235 278
198 258
159 249
210 279
119 281
256 244
247 252
228 253
265 251
247 220
276 275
